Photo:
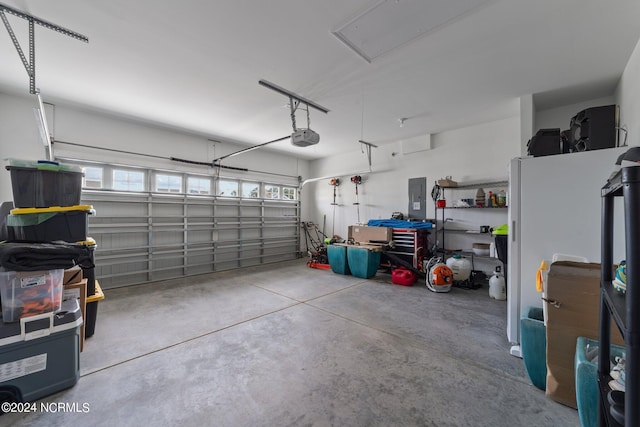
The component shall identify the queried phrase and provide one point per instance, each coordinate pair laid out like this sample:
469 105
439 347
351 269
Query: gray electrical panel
417 198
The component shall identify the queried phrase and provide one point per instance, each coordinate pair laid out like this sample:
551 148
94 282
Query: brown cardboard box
575 287
78 290
72 275
363 233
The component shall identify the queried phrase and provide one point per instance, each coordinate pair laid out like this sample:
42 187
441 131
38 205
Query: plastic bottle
460 267
480 197
502 198
497 287
490 199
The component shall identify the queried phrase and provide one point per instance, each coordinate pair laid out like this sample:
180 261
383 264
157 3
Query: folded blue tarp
398 223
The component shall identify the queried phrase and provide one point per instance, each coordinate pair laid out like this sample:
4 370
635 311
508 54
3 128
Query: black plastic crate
91 312
49 224
89 271
40 185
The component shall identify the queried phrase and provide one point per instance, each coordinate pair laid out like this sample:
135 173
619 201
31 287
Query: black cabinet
623 309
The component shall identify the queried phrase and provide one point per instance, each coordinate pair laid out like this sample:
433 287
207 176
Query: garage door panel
143 237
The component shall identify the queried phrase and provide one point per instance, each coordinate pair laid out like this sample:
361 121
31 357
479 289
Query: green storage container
533 343
587 381
363 262
338 259
66 223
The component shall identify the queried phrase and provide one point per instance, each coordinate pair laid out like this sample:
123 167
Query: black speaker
594 128
545 142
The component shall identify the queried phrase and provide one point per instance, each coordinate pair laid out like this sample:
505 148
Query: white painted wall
527 122
628 97
19 138
560 117
475 153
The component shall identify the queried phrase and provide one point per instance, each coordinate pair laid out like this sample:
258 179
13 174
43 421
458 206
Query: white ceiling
195 64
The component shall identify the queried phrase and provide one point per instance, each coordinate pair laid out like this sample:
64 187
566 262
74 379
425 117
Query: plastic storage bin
44 357
533 343
28 293
68 223
91 311
587 381
42 184
338 259
363 262
88 267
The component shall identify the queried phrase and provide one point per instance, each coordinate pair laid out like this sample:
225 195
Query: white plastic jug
461 267
497 287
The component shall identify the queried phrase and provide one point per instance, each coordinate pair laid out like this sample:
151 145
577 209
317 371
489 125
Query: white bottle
497 286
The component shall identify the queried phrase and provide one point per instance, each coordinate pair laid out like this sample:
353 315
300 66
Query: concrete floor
283 345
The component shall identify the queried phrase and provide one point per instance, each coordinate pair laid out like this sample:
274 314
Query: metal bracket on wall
30 65
368 146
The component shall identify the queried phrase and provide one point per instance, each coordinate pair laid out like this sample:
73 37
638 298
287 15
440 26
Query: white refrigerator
554 208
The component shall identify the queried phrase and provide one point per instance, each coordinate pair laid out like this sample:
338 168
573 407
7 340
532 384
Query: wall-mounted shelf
481 184
475 207
473 232
469 253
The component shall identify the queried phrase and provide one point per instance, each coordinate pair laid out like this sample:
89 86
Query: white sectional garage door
145 236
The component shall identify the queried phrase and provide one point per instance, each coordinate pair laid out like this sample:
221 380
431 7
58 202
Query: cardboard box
72 275
575 289
78 290
363 233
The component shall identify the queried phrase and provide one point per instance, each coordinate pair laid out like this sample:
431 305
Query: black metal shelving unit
475 207
623 309
467 186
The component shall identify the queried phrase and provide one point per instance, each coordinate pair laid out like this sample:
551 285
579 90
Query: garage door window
125 180
271 191
251 190
288 193
92 177
198 185
228 188
168 183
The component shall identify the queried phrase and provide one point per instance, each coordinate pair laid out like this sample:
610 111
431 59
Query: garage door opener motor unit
303 137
